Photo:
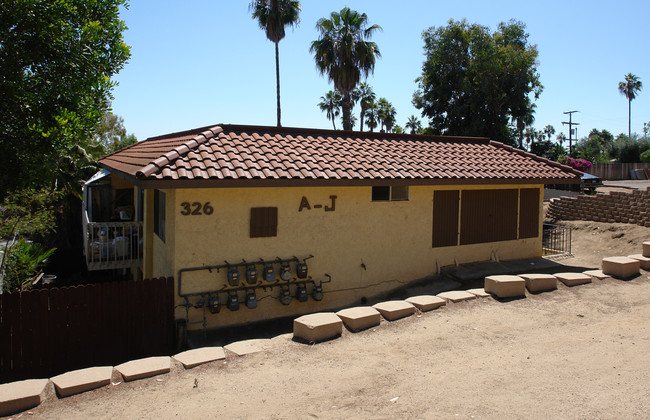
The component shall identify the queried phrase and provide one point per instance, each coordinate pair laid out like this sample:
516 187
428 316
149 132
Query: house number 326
196 208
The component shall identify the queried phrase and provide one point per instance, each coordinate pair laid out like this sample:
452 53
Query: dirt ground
580 352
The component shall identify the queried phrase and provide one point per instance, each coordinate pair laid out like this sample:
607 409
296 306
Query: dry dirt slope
578 352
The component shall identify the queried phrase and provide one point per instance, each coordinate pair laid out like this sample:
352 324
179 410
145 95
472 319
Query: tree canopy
344 53
475 82
629 88
56 61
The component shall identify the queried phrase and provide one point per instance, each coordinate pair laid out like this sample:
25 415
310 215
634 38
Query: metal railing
109 245
556 241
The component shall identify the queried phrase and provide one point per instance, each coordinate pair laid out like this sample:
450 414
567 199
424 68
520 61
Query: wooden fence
51 331
615 171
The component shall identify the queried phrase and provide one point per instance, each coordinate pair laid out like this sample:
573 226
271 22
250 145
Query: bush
645 156
23 263
579 164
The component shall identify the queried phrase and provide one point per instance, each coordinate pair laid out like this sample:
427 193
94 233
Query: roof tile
245 152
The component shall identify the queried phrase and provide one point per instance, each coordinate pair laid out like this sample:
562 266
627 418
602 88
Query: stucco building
225 209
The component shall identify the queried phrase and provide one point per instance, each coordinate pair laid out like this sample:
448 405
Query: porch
112 224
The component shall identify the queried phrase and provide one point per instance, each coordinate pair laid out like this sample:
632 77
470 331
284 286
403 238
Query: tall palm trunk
629 118
346 104
363 111
277 79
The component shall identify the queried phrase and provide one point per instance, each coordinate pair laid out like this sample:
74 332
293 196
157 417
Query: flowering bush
579 164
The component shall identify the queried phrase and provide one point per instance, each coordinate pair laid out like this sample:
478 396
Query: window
264 222
390 193
159 214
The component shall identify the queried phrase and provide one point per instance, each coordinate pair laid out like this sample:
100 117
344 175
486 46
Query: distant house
225 209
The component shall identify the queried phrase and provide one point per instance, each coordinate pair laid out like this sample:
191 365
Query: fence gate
50 331
556 241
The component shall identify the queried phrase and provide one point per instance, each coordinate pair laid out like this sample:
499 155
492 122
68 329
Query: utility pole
571 124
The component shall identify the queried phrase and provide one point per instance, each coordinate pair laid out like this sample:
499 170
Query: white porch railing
109 245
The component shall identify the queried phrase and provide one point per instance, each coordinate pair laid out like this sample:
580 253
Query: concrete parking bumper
82 380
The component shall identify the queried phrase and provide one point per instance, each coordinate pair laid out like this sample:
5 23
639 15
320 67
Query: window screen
388 193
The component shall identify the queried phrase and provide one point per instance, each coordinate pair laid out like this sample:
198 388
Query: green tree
331 105
474 82
532 136
24 214
344 54
273 16
548 132
645 156
629 88
386 114
56 61
371 116
365 96
414 125
112 134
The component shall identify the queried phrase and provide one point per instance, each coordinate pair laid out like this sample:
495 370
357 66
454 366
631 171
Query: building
236 214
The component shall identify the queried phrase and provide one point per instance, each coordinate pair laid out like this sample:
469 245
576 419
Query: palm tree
343 53
364 95
331 104
385 114
548 132
525 120
273 16
371 116
629 88
413 124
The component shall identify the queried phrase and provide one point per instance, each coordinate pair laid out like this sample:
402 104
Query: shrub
582 165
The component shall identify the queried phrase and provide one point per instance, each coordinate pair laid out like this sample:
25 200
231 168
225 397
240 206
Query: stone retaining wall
615 207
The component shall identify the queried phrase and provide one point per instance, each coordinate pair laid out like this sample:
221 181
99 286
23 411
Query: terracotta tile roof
234 152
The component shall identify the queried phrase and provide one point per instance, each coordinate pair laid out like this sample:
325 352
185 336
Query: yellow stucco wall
391 239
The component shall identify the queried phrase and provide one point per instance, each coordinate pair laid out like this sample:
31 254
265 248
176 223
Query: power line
571 124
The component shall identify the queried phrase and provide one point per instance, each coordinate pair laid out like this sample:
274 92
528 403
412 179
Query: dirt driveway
580 352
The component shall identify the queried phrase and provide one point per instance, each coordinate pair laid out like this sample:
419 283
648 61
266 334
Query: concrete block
359 318
21 395
456 296
244 347
144 368
505 286
539 282
195 357
395 309
573 279
621 267
479 292
426 302
644 262
317 327
646 249
82 380
597 274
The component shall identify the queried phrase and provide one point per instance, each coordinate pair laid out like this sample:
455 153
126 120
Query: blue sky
201 62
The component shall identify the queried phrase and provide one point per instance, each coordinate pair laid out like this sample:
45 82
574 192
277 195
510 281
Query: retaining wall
615 207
